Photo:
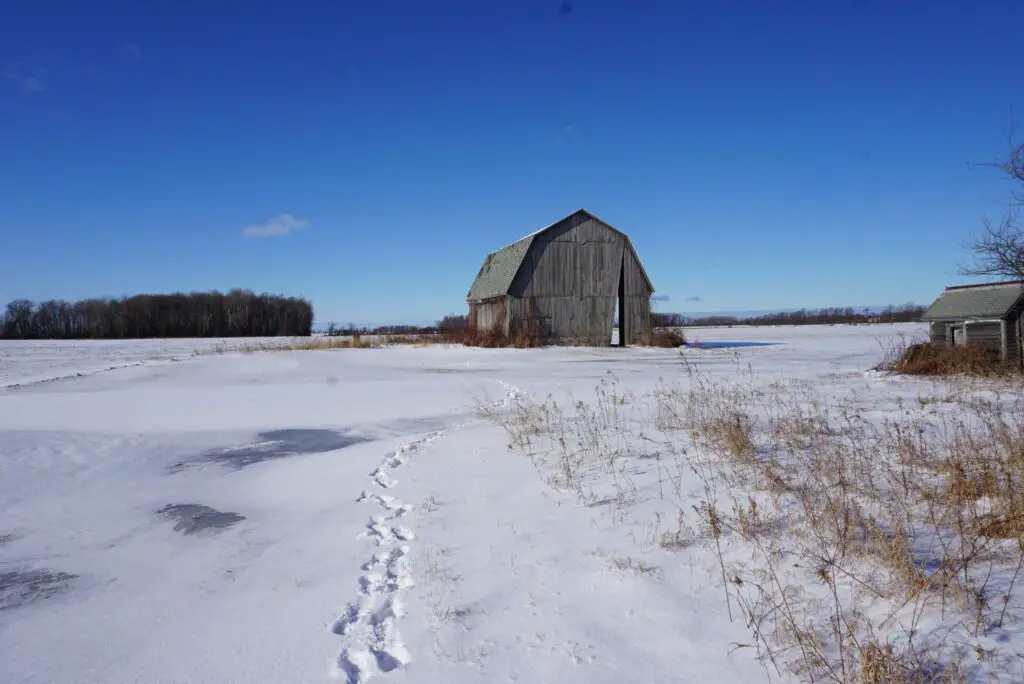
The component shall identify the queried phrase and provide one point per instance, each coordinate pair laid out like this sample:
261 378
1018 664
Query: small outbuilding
567 282
988 314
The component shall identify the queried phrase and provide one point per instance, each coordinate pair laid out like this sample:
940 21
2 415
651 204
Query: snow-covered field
47 360
167 516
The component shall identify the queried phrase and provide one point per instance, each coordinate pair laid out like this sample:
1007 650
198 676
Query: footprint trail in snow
369 623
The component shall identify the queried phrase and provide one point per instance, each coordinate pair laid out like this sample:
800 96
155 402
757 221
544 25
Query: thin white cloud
693 299
133 51
29 79
282 224
659 298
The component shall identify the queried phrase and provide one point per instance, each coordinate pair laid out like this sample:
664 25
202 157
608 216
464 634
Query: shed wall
988 334
1011 342
937 333
1013 334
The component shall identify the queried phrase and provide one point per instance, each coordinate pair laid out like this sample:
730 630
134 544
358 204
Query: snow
47 360
175 515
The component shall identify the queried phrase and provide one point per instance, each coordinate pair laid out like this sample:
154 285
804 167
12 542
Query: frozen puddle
196 518
20 588
284 443
276 444
728 345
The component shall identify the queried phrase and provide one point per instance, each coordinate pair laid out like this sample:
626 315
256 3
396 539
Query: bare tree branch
998 251
1012 163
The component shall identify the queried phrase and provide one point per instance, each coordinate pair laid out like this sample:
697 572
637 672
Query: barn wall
569 281
489 314
638 299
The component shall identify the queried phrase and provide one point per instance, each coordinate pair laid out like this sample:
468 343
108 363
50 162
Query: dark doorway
621 308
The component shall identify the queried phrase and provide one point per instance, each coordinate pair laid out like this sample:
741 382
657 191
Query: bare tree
998 252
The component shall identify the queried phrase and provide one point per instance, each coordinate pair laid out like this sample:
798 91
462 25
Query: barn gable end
564 281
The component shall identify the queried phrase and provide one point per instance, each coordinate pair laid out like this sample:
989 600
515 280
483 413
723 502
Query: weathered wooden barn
565 282
988 314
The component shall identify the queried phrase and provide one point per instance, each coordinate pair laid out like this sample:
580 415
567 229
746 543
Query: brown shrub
927 359
663 337
527 339
477 337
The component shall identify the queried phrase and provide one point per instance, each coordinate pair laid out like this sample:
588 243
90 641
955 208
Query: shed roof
965 302
499 268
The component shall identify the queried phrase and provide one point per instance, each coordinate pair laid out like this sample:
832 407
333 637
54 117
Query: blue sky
368 154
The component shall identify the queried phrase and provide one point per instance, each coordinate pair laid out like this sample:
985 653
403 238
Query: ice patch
20 588
283 443
196 518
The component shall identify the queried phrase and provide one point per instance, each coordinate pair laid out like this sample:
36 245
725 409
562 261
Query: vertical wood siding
569 283
1014 340
638 299
490 314
937 333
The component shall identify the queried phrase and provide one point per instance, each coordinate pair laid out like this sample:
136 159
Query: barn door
623 319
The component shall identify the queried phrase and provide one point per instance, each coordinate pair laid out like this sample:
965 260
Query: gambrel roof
500 268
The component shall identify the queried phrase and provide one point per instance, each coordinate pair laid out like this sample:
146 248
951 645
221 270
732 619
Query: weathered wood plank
490 314
568 284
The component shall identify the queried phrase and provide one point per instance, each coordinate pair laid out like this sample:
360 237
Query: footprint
388 503
356 664
391 659
380 476
373 644
344 624
383 535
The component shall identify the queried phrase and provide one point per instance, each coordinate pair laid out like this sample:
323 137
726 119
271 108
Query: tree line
908 313
450 323
239 313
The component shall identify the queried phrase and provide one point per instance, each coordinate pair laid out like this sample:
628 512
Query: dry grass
291 344
324 343
528 338
910 513
354 342
493 338
663 337
841 536
922 358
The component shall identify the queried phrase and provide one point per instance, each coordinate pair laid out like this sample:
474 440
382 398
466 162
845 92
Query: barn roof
964 302
499 268
495 276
